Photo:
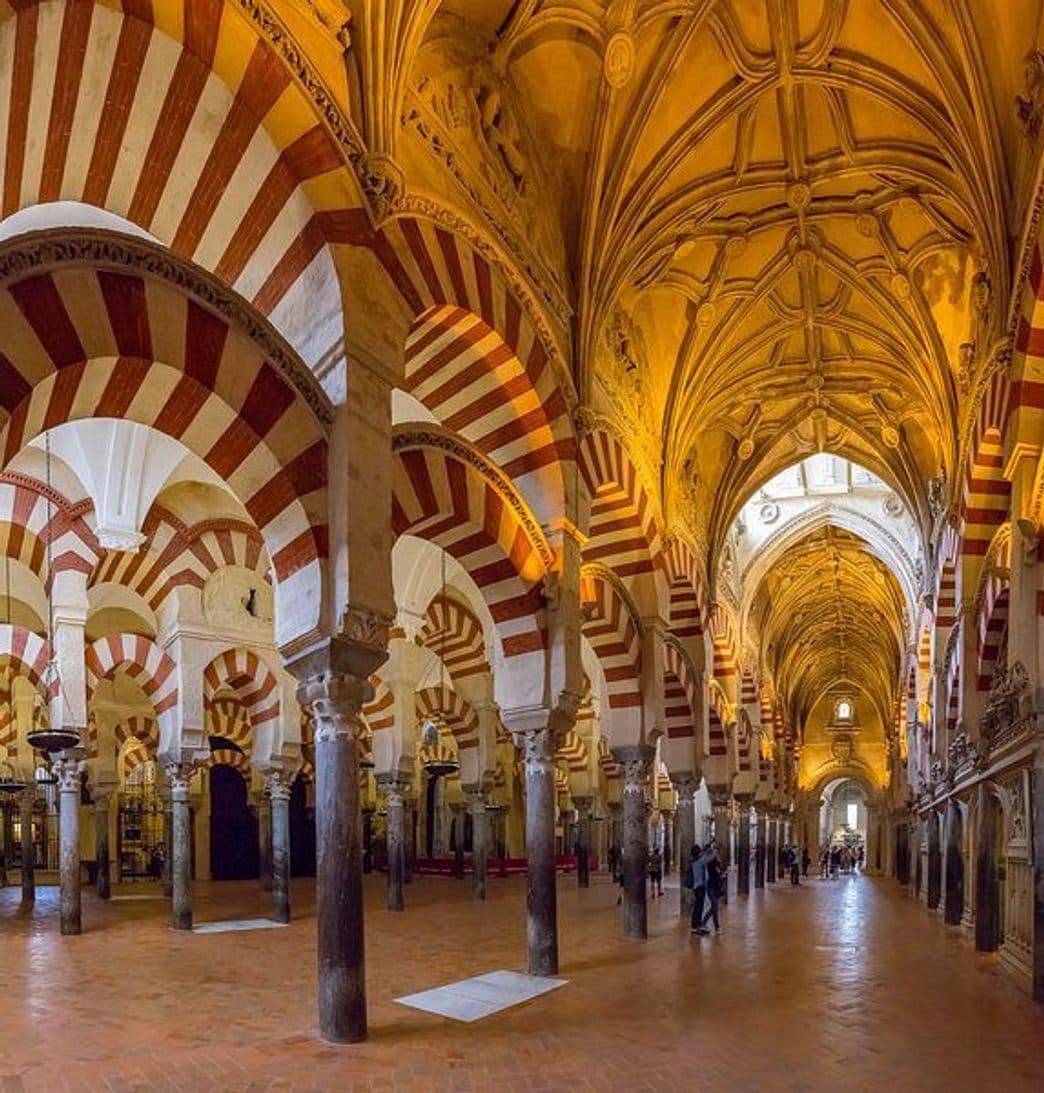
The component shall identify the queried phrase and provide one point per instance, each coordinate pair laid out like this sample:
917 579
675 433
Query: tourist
824 863
835 862
656 872
715 883
806 861
794 863
698 879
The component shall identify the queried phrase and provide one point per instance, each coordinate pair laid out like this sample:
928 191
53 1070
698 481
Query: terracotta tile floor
845 985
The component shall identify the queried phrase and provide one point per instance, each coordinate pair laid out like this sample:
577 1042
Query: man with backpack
715 879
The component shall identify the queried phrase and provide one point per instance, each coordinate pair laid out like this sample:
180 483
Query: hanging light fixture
41 736
9 780
434 725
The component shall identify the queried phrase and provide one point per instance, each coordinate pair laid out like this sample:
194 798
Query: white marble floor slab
237 924
481 996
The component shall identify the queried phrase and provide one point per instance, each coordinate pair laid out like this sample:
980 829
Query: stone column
634 762
772 849
67 770
26 799
722 834
409 846
614 826
476 801
167 875
335 700
583 841
760 858
279 796
101 842
934 892
953 905
395 789
743 847
457 811
264 841
685 786
541 893
181 846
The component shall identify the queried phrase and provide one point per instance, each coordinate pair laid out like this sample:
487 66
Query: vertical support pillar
685 786
279 798
934 862
334 700
476 801
101 843
722 834
26 800
743 847
772 849
541 894
395 790
760 858
181 846
264 841
167 874
583 841
67 770
635 762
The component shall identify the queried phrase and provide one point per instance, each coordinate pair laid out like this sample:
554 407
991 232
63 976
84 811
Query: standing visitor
698 879
715 879
806 861
656 872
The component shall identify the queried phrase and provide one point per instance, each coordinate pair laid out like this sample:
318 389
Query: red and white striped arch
477 357
726 667
623 534
680 693
85 342
175 555
25 530
987 499
136 741
992 620
228 717
379 712
614 634
189 127
573 752
143 661
456 711
453 633
687 593
244 675
27 654
463 506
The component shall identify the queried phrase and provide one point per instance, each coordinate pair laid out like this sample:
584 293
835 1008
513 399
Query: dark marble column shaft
760 857
26 800
743 847
583 841
395 790
686 834
181 846
476 798
279 811
101 845
541 892
634 762
68 772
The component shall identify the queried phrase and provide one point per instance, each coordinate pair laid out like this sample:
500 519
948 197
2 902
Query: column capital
335 701
67 770
475 796
278 784
685 785
583 806
395 787
180 774
719 796
634 761
537 746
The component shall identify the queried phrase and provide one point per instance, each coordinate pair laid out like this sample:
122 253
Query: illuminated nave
478 463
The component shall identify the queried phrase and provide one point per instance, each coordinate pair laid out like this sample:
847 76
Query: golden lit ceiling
763 228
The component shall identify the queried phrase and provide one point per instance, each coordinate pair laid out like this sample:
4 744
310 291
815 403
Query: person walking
794 861
656 872
806 861
698 878
715 878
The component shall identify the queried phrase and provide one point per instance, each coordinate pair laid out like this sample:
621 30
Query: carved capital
67 771
719 796
180 774
395 789
335 701
583 806
685 785
475 797
635 762
277 784
383 183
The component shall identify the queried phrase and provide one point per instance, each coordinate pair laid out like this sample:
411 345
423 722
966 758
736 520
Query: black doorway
234 852
302 831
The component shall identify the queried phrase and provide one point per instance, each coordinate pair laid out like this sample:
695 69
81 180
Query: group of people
654 869
834 860
707 879
795 862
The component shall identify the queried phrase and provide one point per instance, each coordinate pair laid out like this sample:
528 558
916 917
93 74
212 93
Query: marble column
395 789
634 762
334 700
167 874
409 846
264 842
722 835
476 801
685 786
26 799
67 771
101 843
934 862
181 846
772 849
541 894
953 904
614 827
583 841
760 857
457 812
743 847
279 797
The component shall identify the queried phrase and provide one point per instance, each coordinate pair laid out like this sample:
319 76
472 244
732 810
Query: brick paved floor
846 986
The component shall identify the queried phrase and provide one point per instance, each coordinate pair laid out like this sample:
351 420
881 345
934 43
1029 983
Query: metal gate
140 833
